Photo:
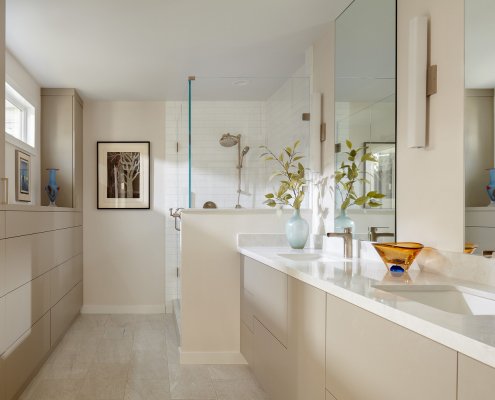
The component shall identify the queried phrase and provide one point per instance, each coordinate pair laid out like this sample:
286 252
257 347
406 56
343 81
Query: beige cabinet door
476 380
265 296
62 144
306 342
329 396
271 364
57 146
370 358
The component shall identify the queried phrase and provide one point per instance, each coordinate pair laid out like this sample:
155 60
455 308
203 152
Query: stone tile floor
133 357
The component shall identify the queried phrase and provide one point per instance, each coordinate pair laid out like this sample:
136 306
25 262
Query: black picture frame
122 196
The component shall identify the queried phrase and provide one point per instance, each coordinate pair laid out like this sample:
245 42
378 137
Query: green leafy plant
292 186
348 175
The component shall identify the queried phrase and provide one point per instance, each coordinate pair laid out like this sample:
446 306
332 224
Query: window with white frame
19 116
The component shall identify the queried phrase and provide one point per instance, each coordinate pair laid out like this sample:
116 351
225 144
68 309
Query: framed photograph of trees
123 175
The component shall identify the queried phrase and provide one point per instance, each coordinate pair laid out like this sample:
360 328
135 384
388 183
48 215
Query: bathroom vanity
314 326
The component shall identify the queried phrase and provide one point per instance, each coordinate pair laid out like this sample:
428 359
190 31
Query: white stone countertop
353 281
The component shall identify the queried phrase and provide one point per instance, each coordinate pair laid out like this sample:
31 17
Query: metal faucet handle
374 228
348 230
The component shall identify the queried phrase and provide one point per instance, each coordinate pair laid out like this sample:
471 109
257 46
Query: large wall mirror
365 115
479 126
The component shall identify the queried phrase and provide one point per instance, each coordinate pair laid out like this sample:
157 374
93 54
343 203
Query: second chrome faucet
347 237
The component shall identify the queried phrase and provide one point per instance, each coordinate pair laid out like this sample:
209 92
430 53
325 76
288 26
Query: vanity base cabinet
476 380
247 338
270 363
283 332
368 357
328 396
306 343
265 297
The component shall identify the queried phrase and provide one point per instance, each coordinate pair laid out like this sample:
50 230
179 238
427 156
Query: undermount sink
300 256
452 299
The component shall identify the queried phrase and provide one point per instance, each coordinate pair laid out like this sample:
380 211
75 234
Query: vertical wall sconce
417 63
422 82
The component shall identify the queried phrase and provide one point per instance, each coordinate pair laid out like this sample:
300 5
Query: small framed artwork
123 171
22 176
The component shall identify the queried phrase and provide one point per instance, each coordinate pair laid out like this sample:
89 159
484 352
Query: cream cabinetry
61 143
40 289
283 332
476 380
266 298
368 357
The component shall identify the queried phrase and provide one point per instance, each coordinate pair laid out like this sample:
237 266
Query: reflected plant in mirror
348 177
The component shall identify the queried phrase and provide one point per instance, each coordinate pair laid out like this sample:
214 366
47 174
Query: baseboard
193 357
141 309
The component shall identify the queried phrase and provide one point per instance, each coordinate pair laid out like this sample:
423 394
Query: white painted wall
124 267
22 81
2 87
430 182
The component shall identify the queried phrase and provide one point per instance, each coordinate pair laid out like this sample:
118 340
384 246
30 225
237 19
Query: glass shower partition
203 170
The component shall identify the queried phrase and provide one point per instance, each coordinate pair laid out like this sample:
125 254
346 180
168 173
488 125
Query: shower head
228 140
244 151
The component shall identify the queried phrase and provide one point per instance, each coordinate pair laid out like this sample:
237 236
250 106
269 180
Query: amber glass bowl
398 256
470 248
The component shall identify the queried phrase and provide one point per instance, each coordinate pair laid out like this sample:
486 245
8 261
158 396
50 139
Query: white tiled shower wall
276 122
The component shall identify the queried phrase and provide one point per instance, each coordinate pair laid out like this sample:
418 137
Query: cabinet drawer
25 306
368 357
246 343
476 380
22 359
266 297
64 312
3 337
271 364
328 396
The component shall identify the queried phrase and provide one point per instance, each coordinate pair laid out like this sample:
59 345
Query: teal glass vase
297 230
52 188
343 221
490 188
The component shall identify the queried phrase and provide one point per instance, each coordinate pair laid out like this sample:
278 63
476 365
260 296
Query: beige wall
124 267
430 182
479 144
323 82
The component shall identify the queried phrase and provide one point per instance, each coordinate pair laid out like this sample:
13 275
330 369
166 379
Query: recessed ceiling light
240 82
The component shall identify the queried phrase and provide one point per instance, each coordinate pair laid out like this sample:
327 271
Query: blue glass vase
297 230
52 188
490 188
343 221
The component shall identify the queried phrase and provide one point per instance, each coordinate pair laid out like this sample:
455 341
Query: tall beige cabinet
61 144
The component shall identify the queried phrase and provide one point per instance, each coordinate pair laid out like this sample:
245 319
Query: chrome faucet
177 215
347 236
373 233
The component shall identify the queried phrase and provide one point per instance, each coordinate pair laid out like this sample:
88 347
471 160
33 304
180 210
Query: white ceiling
145 49
480 44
